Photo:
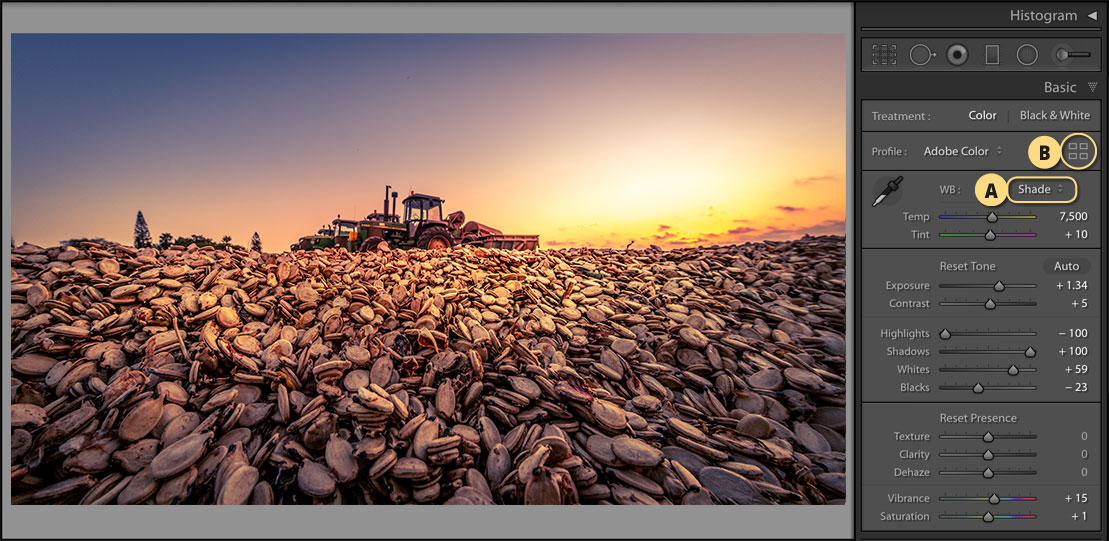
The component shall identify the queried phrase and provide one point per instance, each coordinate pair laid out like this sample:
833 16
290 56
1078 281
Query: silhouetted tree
256 242
202 241
226 239
142 233
165 240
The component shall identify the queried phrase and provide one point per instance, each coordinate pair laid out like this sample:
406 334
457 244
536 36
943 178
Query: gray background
335 521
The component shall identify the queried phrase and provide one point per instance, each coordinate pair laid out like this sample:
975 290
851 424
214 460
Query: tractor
327 236
422 226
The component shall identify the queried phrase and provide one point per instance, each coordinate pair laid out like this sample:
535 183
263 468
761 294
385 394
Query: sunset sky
583 139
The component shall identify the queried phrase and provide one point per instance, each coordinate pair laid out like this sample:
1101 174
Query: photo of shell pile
669 330
470 377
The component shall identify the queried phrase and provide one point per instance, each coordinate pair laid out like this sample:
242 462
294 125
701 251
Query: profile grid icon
1078 150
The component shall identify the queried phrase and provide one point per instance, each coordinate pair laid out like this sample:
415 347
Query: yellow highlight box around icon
1010 192
1078 166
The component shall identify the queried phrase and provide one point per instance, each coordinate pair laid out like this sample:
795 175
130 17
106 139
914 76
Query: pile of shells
465 376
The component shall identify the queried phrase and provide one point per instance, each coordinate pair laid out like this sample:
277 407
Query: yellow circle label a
991 189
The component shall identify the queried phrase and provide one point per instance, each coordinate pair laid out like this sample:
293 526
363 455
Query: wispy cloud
664 236
827 227
667 238
812 180
742 230
774 232
687 241
787 208
565 243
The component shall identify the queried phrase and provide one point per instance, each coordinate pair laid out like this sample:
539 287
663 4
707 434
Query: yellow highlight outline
1062 155
1010 194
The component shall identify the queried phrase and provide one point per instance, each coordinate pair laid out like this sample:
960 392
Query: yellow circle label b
991 189
1044 152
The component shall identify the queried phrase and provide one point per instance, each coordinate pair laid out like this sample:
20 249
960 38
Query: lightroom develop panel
555 270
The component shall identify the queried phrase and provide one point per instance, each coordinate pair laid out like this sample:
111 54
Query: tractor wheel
434 238
370 244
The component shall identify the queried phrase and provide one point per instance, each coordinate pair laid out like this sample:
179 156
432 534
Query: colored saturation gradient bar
983 216
985 499
983 234
980 517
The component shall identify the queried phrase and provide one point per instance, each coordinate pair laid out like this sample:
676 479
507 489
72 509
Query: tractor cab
342 227
420 210
344 232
